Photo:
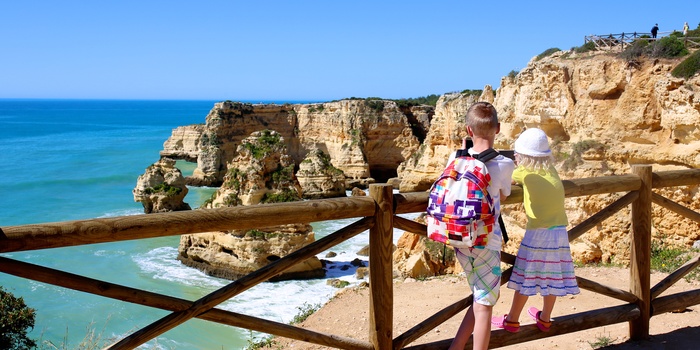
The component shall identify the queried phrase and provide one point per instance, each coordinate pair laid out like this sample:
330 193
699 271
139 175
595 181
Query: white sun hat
533 142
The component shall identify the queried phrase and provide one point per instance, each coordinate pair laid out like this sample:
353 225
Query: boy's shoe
535 314
502 322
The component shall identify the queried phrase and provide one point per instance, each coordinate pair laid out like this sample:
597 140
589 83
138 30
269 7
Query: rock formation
447 130
161 188
262 172
602 115
319 178
364 138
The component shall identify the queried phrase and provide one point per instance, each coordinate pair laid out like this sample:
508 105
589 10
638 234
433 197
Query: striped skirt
543 265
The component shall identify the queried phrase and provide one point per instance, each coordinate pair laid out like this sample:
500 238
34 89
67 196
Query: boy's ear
498 127
469 131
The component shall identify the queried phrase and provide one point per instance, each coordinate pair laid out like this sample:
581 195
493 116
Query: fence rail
622 40
378 214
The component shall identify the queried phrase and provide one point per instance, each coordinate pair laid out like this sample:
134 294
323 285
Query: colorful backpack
461 212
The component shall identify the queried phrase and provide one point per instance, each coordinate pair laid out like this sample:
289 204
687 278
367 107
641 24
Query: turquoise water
79 159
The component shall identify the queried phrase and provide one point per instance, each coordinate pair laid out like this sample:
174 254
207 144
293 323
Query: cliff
602 115
261 172
365 139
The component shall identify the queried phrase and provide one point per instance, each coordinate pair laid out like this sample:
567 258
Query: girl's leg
517 306
547 307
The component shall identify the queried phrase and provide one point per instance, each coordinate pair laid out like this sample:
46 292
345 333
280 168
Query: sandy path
346 314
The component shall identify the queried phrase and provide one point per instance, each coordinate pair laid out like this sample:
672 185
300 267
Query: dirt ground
347 313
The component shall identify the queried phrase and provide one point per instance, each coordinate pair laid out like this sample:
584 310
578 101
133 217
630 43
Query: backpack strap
484 156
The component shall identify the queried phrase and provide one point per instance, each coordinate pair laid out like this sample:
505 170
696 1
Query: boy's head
482 120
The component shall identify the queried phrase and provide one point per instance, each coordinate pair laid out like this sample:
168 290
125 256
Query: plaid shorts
483 269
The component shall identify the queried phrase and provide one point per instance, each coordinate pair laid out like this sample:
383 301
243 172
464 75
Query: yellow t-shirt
543 197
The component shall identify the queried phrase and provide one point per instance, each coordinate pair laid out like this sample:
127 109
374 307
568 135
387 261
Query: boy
482 266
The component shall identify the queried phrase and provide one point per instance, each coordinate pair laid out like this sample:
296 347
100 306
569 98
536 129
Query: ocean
80 159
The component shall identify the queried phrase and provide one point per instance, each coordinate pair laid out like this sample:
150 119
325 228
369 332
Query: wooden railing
622 40
378 213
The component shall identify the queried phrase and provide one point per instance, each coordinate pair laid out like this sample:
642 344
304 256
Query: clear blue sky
295 50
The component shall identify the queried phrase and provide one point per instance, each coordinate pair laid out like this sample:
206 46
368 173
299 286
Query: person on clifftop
654 30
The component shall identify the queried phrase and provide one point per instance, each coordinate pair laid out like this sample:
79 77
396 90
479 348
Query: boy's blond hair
483 119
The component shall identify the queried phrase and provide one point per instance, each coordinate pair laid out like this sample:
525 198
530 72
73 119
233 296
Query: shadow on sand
679 339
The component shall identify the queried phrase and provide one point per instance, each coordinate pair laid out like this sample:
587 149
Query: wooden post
381 297
640 258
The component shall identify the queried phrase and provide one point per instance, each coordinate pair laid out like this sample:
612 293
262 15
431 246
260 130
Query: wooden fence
378 213
622 40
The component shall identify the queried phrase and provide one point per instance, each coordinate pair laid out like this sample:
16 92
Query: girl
543 264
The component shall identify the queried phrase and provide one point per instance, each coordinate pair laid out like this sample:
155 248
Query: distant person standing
685 29
654 30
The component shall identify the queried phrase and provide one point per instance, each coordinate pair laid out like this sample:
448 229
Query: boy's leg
484 274
482 326
547 307
465 330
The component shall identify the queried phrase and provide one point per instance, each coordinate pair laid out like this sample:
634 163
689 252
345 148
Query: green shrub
15 320
635 50
163 188
688 67
577 150
589 46
668 47
469 92
665 258
305 311
547 52
375 105
512 74
264 144
430 100
287 195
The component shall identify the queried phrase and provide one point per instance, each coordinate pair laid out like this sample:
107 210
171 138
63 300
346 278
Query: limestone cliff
364 138
262 172
161 188
602 115
319 178
447 130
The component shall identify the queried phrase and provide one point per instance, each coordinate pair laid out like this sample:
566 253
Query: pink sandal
535 314
502 322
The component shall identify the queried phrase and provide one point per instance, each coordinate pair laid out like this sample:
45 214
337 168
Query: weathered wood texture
675 207
72 233
667 282
640 264
140 297
565 324
379 212
240 285
441 316
381 296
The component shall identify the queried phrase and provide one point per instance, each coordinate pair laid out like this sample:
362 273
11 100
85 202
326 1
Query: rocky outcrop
161 188
262 172
602 115
447 130
319 178
364 138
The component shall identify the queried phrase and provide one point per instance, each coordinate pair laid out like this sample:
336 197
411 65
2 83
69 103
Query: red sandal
502 322
535 314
